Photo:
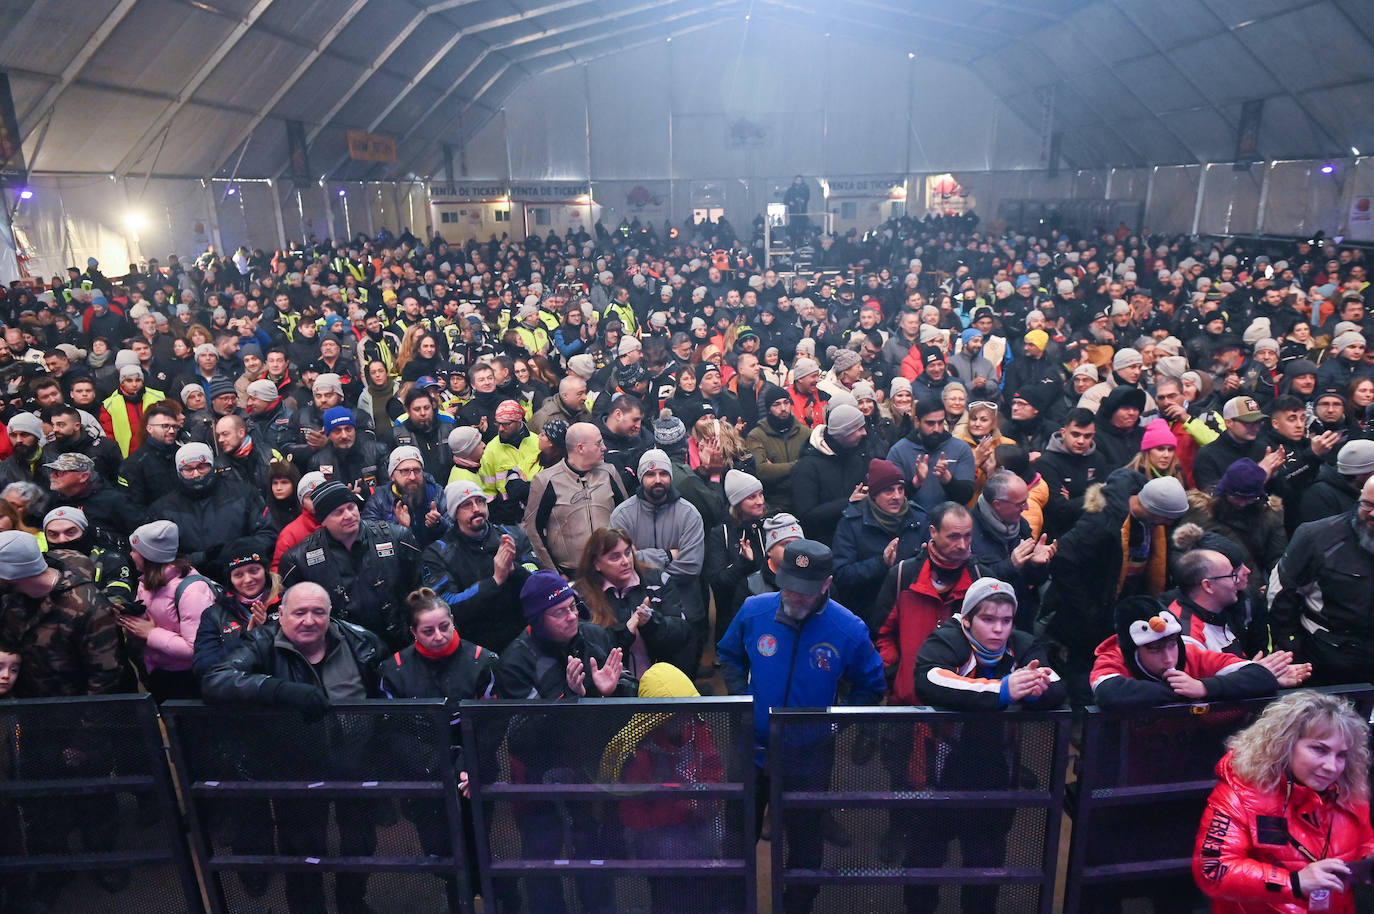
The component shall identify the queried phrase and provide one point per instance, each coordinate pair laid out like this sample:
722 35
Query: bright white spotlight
26 194
1328 168
231 191
135 221
342 192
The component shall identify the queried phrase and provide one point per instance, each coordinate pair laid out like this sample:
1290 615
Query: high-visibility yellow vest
118 408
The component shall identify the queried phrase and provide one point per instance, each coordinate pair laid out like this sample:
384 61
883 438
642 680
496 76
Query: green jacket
775 454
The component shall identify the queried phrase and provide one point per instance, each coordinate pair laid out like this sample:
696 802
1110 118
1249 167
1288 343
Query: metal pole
1197 206
328 209
1263 200
276 212
214 216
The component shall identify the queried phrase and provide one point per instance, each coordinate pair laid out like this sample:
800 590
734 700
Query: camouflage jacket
68 640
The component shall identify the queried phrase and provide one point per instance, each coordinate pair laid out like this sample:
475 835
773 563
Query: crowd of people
947 467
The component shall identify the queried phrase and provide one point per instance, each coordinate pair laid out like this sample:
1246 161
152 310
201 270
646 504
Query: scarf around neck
890 522
998 527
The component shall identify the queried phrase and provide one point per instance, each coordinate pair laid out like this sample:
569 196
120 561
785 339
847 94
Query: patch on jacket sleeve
1213 870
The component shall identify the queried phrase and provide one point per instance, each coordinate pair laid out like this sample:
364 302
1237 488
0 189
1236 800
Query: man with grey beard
1319 598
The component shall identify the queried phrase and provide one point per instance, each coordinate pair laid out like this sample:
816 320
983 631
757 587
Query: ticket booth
861 203
465 212
553 206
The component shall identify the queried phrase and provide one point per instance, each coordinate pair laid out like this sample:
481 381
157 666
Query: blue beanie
972 333
336 416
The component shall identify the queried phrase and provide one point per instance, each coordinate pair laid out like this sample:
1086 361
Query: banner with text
371 147
475 192
552 192
884 188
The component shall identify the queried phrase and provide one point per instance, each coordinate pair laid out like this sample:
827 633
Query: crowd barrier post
640 804
1143 777
900 784
259 784
91 773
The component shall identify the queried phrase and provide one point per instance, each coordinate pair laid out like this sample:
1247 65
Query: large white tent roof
201 88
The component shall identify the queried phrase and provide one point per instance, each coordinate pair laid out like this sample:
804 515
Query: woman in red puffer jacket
1290 813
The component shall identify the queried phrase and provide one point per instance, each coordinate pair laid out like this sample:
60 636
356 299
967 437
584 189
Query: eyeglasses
1233 576
569 610
1366 505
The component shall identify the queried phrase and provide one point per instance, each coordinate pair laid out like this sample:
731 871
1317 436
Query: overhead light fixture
135 221
26 194
910 55
1328 168
746 17
1354 150
231 191
342 192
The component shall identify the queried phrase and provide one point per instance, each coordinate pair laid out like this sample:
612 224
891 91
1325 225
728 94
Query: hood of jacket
1115 493
1058 446
818 443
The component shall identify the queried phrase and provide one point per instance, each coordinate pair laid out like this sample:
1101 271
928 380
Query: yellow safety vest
117 407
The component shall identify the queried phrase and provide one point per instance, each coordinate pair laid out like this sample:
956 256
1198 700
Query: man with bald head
571 499
570 405
1213 604
306 661
1319 594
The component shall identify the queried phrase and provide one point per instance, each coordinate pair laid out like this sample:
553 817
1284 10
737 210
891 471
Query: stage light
230 192
342 192
1354 150
135 221
1328 168
26 194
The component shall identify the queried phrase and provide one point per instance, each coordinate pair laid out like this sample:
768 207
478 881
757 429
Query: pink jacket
172 644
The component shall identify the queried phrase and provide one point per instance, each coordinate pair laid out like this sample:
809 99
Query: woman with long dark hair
636 603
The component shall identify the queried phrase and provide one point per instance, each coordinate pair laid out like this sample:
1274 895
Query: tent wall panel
1173 199
1230 200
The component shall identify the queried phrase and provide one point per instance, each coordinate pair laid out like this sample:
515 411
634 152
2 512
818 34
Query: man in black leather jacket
305 661
367 567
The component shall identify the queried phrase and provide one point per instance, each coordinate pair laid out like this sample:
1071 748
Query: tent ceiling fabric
1133 82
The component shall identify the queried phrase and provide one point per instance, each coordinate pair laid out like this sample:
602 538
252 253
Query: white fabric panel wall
1302 200
547 124
1172 199
1130 183
630 134
484 153
1230 200
72 218
748 110
177 214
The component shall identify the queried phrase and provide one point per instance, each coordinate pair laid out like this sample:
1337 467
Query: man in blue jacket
790 650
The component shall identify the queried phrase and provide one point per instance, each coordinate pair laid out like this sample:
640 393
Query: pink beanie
1157 434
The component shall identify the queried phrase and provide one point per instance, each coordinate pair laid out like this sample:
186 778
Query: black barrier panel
1143 781
88 819
614 805
366 796
917 810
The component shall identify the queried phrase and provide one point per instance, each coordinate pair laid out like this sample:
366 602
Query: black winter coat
251 671
1330 495
823 480
368 584
211 519
458 568
1323 579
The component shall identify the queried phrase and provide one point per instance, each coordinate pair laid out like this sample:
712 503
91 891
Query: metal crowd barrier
616 805
1143 777
90 823
892 809
260 785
